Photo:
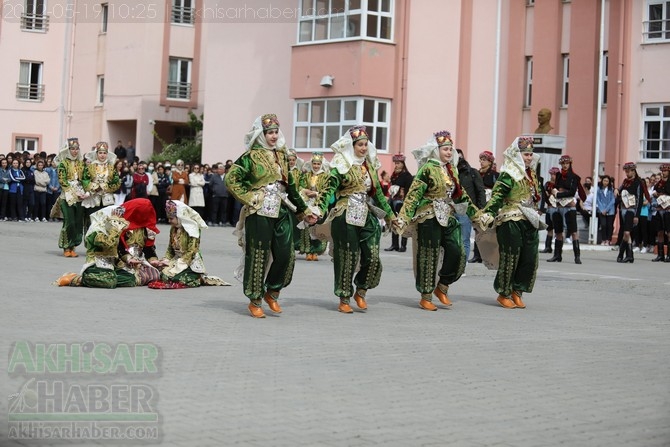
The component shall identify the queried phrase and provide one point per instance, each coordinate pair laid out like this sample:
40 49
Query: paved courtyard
586 364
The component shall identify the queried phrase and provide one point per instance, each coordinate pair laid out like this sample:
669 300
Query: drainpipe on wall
68 72
403 79
496 84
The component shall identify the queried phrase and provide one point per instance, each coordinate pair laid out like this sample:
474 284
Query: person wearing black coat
403 180
473 184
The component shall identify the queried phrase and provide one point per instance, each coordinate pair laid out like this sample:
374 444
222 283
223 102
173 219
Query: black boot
660 256
403 245
558 252
547 244
622 250
476 257
578 252
629 254
394 243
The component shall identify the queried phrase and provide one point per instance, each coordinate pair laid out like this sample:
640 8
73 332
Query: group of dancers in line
347 208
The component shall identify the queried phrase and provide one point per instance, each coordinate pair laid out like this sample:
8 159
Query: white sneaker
643 250
44 219
28 219
636 250
568 240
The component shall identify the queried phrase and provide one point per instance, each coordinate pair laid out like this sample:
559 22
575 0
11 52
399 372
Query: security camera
327 81
152 122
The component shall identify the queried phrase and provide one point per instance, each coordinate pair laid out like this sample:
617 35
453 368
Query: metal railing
656 30
35 22
655 149
30 92
181 14
179 90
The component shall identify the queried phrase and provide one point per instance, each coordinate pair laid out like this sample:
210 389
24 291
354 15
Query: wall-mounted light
327 81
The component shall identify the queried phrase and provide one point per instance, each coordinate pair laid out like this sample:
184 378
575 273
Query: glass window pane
337 27
306 9
321 29
368 111
666 111
321 7
372 26
332 134
653 111
350 111
373 5
303 112
380 137
316 138
306 31
354 25
333 111
318 111
385 32
381 112
386 5
354 4
300 137
337 7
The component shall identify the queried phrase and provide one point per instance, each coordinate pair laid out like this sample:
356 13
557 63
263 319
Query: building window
22 144
100 95
179 79
657 24
324 20
656 139
320 122
566 80
30 87
530 2
606 60
528 100
183 12
104 14
34 17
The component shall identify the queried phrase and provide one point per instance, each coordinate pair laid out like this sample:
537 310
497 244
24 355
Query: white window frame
319 122
656 29
655 142
22 144
179 79
565 89
30 87
528 91
336 20
34 17
104 16
530 2
183 12
100 93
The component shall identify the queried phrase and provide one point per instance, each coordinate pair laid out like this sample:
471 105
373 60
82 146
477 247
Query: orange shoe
315 257
516 297
360 301
442 296
427 305
345 308
66 279
73 254
66 252
256 311
506 302
272 302
308 257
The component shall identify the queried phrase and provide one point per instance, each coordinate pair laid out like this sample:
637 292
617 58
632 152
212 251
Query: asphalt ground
585 364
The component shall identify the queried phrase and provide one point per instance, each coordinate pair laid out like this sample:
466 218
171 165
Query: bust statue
543 118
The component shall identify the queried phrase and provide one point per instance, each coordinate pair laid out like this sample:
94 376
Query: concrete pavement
586 364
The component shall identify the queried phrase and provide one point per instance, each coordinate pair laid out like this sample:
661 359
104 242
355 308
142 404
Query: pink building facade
479 68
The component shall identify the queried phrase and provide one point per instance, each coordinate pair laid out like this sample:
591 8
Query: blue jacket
605 203
18 177
54 184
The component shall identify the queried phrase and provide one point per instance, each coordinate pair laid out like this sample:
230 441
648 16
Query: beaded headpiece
170 209
73 143
565 159
358 133
629 165
525 144
317 156
554 170
664 167
487 155
269 121
443 138
102 146
398 157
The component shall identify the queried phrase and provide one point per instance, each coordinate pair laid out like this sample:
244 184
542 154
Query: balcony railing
179 90
30 92
35 22
656 30
181 14
656 149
